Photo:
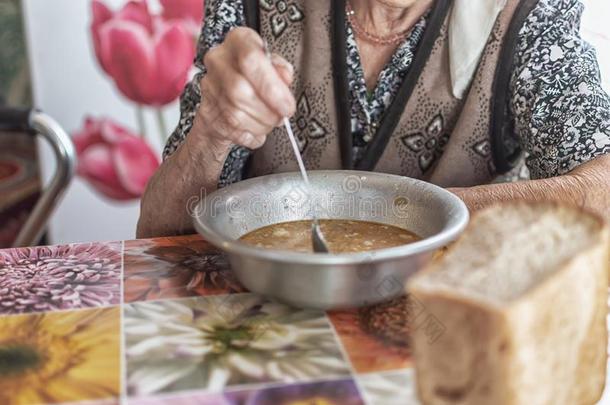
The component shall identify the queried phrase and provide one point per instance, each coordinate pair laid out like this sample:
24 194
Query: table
163 321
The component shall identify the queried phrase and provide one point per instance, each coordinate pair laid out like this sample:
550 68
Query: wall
596 30
68 84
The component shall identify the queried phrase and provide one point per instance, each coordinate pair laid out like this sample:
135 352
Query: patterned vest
426 133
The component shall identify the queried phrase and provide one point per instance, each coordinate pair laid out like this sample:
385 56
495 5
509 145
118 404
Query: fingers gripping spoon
319 243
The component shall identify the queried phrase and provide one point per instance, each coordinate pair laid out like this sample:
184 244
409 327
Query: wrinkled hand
245 94
466 194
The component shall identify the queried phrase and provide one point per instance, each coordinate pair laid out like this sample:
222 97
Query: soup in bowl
341 236
380 229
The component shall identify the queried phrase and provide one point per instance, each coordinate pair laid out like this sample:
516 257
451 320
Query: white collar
470 25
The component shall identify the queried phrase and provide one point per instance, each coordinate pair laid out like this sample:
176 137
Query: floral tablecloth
163 321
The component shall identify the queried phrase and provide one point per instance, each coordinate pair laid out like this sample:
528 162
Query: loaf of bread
522 299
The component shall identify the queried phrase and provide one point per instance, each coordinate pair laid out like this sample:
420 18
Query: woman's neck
383 18
387 17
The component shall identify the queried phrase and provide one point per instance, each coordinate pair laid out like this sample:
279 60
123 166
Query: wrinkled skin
587 186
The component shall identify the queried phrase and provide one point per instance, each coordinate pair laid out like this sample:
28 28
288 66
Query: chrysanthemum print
210 343
60 357
59 277
175 268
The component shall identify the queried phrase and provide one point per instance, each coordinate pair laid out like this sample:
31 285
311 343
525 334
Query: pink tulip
189 12
183 9
148 57
114 161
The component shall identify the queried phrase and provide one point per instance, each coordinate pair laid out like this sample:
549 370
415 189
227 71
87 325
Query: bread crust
548 346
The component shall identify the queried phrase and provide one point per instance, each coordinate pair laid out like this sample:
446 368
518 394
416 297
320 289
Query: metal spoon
319 243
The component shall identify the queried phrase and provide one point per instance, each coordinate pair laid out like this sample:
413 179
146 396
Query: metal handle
36 122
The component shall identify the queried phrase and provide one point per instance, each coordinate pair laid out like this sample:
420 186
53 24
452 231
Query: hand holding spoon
319 243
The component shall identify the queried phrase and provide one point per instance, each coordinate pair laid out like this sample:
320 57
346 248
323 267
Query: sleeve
560 111
220 17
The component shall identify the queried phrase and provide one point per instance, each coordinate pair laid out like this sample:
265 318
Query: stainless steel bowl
330 281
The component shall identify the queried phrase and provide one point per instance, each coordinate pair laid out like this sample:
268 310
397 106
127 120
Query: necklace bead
361 32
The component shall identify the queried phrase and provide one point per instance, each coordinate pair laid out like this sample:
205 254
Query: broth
342 236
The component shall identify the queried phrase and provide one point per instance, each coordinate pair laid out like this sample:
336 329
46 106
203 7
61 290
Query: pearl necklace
359 30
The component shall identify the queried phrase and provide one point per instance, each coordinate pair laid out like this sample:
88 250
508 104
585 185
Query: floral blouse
560 111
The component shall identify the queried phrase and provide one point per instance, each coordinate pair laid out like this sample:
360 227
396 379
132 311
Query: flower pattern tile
60 357
61 277
175 268
211 343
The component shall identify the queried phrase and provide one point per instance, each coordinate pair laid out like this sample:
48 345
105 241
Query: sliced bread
522 298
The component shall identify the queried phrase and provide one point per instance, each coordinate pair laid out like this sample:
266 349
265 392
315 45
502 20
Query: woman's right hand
245 94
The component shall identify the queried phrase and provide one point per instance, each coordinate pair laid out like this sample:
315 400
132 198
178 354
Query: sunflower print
60 357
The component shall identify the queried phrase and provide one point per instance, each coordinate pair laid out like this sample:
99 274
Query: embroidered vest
426 133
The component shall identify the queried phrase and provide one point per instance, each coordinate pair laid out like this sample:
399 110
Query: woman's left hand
587 186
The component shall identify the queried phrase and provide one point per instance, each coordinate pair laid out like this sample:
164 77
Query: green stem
162 126
141 122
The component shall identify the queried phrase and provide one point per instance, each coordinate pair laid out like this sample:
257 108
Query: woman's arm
237 98
587 186
183 172
561 114
560 111
183 178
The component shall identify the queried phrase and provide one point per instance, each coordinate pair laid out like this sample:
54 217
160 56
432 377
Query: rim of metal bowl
234 246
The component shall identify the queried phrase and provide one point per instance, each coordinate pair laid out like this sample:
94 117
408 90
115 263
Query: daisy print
210 343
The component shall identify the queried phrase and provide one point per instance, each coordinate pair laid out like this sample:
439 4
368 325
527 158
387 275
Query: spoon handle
297 152
319 243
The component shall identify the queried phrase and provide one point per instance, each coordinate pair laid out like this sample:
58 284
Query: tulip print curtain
148 57
111 72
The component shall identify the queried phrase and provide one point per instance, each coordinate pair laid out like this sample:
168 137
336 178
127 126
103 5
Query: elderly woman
453 92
